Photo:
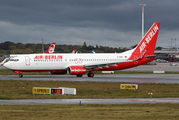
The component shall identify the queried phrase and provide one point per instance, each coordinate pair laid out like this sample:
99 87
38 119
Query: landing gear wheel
79 75
20 75
90 74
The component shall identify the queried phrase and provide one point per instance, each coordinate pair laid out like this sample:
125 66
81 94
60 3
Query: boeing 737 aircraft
51 49
73 51
82 63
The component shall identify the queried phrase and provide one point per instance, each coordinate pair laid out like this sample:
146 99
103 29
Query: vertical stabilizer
73 51
146 47
51 49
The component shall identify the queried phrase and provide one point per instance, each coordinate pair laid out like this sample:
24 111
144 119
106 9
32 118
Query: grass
14 89
162 111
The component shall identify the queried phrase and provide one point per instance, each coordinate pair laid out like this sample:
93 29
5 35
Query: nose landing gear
20 75
19 72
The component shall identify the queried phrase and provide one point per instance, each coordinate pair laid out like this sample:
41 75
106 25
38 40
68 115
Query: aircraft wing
107 64
101 65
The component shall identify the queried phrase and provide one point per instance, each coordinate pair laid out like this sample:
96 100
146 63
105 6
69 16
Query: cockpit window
14 60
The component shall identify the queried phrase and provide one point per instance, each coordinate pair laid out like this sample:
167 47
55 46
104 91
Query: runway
118 78
88 101
159 67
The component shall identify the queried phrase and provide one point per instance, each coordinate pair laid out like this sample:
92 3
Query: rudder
146 47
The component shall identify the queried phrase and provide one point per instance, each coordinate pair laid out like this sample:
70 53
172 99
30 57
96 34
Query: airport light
142 18
150 94
175 44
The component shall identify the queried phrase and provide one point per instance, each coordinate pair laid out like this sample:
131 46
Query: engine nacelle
76 70
59 72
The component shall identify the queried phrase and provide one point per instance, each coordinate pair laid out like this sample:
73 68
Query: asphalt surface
88 101
159 67
128 78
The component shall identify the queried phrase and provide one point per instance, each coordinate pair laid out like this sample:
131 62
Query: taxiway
127 78
88 101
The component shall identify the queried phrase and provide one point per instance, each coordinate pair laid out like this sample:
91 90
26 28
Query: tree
133 46
29 51
159 48
12 47
84 45
20 46
4 46
9 43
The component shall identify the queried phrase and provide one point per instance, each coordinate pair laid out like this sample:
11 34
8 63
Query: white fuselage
62 61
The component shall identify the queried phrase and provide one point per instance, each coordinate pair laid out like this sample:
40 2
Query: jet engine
76 70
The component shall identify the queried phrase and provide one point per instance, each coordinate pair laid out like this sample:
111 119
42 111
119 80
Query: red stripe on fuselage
39 70
125 65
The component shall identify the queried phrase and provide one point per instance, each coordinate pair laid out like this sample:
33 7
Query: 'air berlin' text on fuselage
48 57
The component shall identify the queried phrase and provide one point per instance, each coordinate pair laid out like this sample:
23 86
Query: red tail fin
51 49
146 47
73 51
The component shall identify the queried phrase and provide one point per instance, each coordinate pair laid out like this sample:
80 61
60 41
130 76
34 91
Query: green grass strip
14 89
157 111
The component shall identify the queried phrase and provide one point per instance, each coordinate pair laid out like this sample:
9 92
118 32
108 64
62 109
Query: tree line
9 47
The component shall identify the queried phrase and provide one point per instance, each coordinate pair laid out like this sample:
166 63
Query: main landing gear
90 74
79 75
20 75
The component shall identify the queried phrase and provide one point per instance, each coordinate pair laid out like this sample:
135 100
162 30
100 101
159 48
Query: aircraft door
27 60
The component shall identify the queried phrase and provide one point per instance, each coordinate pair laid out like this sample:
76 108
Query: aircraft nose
7 65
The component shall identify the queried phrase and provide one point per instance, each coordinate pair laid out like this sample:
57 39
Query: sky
113 23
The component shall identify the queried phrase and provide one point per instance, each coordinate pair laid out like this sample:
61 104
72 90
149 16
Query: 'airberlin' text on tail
148 38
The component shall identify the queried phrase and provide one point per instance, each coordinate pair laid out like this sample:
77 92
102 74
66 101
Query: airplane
73 52
82 63
51 49
93 52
